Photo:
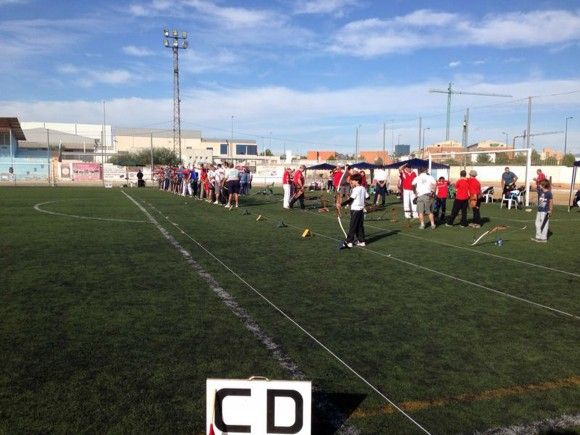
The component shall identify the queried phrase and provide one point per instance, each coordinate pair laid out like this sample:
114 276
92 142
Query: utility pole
529 130
507 140
450 91
175 46
466 129
151 147
566 134
384 134
356 144
420 146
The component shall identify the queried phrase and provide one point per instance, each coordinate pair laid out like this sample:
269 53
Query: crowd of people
423 197
220 184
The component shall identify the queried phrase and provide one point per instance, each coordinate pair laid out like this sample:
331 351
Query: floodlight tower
450 91
176 46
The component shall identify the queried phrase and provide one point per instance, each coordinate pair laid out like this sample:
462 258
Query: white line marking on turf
375 389
489 254
336 416
409 263
475 251
37 207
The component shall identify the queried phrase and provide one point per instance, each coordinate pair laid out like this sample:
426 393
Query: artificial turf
105 327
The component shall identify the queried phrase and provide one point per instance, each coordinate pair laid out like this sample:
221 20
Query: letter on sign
258 406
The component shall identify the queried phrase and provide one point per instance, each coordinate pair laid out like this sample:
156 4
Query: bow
338 206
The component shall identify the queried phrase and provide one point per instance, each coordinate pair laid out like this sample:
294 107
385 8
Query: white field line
38 206
294 322
336 417
446 275
475 251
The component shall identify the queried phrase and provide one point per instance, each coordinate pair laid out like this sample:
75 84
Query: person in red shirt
407 176
363 179
298 187
461 200
441 194
287 186
474 198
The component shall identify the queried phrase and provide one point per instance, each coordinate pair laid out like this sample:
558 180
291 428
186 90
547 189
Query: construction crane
450 91
524 135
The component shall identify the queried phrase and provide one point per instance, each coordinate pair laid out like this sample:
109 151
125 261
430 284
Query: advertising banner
86 171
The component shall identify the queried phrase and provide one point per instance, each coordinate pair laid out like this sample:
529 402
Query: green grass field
105 327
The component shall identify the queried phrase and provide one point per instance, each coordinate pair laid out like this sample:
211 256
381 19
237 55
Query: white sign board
236 406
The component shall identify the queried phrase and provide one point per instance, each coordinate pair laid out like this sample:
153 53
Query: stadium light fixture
176 46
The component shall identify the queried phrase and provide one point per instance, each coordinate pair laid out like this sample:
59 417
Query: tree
519 159
161 156
536 158
267 152
550 161
332 157
568 160
502 159
379 161
483 159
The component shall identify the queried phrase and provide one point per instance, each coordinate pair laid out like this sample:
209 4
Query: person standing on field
407 176
299 187
286 185
461 200
424 187
545 209
357 204
475 198
233 184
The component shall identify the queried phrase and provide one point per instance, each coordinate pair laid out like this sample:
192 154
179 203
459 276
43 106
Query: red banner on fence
86 171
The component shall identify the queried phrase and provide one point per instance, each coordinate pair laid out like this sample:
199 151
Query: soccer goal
493 159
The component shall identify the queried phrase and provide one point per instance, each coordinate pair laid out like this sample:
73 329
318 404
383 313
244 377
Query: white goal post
528 152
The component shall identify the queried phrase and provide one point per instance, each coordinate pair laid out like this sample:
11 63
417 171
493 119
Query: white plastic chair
488 193
512 198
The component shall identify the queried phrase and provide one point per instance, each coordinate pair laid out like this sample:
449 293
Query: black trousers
459 205
356 229
380 190
299 198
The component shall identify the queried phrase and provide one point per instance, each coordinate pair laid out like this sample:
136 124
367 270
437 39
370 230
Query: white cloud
12 2
454 64
88 77
428 29
329 115
334 7
132 50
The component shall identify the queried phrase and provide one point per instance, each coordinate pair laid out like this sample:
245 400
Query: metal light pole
356 143
566 134
175 46
507 138
423 143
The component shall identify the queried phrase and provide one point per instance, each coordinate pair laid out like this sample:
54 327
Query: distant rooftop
157 132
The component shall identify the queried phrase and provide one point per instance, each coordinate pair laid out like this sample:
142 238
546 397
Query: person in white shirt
232 183
218 183
357 198
424 186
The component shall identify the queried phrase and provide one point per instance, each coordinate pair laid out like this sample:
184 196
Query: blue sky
305 72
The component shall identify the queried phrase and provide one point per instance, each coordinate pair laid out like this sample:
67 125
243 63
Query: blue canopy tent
364 165
322 167
573 182
416 164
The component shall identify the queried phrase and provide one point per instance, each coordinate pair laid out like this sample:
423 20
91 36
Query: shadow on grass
333 410
381 235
